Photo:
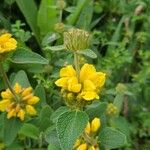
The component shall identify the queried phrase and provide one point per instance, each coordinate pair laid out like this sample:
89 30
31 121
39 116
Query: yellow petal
6 94
11 113
91 148
88 85
77 143
33 100
88 128
31 110
17 88
73 85
98 79
67 71
21 114
82 147
4 104
89 95
27 91
62 82
5 37
86 71
95 124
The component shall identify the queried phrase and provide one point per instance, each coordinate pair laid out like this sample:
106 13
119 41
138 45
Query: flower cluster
83 86
20 106
89 140
111 109
76 39
7 43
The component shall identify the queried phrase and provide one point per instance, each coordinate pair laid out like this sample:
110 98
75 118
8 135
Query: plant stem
60 15
7 83
76 63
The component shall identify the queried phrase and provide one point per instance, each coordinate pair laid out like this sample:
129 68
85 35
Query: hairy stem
76 63
7 83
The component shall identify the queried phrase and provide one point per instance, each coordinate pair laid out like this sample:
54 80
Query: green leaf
21 78
30 130
118 101
40 92
70 126
47 16
88 53
25 56
58 112
55 48
96 109
11 128
86 15
72 19
52 139
44 117
111 138
29 10
49 38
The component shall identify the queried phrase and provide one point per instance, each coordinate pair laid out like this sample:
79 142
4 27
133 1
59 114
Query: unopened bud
95 124
76 39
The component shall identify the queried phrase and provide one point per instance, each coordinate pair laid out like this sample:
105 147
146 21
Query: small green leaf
40 92
49 38
25 56
58 112
30 130
111 138
52 139
88 52
11 128
55 48
70 126
96 109
44 117
21 78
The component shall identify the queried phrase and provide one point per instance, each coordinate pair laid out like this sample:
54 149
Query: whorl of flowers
85 86
22 105
76 39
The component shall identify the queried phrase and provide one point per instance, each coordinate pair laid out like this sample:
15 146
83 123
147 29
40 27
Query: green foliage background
121 41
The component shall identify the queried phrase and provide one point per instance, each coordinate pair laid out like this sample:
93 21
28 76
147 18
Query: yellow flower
7 43
77 143
91 148
95 125
30 109
20 106
3 104
76 39
82 147
21 114
88 128
87 85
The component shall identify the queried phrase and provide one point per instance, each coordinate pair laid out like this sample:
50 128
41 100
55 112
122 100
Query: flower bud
88 128
82 147
95 124
111 109
76 39
61 4
77 143
59 27
120 88
91 148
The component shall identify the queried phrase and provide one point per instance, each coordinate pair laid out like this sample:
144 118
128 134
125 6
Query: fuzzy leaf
70 126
